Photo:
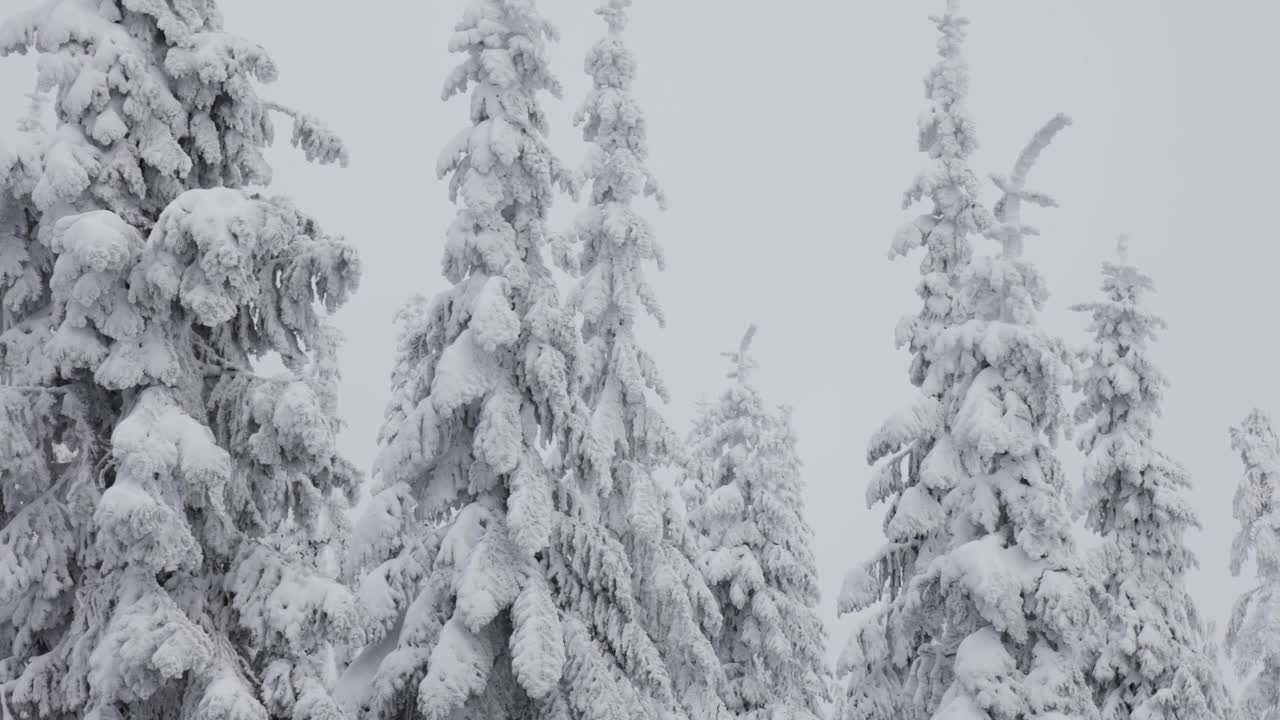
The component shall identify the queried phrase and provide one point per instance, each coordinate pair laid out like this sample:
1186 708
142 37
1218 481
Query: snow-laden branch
615 15
743 362
1122 248
317 141
1009 230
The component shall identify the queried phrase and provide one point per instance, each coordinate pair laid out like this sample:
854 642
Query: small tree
745 492
1252 642
1149 660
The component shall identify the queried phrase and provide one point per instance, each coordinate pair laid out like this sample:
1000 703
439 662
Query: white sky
784 133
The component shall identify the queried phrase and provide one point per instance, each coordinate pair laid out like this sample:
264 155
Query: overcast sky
785 135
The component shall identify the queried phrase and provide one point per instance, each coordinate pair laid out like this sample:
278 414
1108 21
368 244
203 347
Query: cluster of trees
176 537
981 605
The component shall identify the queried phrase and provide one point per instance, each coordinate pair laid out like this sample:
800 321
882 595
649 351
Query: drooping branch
320 144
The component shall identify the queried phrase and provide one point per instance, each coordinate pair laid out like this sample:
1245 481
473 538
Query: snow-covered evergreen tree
462 540
913 452
745 494
617 462
1252 639
1011 589
182 498
1149 662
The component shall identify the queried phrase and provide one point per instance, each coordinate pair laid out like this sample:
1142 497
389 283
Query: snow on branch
1041 140
743 362
615 14
1008 210
317 141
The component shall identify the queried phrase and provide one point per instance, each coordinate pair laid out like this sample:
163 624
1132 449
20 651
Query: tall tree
745 492
461 538
894 670
1013 598
1252 642
1149 661
615 461
180 498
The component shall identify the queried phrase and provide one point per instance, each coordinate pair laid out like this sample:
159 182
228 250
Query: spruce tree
1013 597
461 542
1252 641
181 500
745 491
895 671
1149 661
647 605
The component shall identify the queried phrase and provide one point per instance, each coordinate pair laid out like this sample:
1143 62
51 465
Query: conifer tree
1252 642
648 606
180 499
745 492
913 451
1149 661
1011 589
460 544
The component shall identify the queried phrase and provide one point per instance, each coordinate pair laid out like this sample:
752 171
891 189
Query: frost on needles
179 501
745 493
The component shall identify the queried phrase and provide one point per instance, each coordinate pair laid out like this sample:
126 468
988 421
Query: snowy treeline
177 539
